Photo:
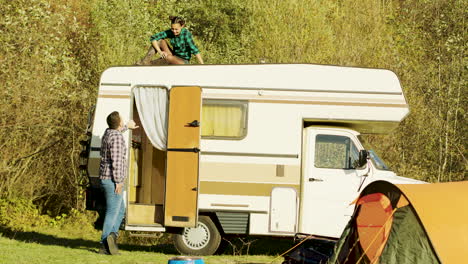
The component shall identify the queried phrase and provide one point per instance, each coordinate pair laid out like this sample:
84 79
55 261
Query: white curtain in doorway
151 103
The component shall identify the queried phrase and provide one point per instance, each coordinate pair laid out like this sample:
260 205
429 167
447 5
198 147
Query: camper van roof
307 77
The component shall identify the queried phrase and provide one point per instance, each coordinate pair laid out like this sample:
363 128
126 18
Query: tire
199 241
223 246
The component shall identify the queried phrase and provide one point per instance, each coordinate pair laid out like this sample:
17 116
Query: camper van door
330 182
183 151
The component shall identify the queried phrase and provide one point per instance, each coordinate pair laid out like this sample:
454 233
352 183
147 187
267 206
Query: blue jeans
115 209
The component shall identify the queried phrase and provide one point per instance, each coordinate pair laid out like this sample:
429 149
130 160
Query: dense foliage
53 51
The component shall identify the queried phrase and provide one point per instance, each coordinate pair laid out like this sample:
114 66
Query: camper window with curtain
335 152
223 119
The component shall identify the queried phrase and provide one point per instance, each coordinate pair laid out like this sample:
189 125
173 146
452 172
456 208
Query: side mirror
363 154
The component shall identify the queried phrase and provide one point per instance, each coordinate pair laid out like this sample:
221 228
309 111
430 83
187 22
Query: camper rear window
223 119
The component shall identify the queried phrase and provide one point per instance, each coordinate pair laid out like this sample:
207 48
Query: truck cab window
224 119
335 152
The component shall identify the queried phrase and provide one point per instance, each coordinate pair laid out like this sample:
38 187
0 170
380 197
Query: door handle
314 179
196 150
194 189
194 123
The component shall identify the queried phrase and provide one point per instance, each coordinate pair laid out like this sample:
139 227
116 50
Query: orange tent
411 223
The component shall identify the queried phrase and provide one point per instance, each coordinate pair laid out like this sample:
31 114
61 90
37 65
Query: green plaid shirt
183 45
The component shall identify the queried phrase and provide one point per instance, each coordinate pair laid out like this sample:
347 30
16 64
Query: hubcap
196 238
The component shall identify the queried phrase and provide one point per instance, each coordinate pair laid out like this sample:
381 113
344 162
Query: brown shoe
103 250
112 244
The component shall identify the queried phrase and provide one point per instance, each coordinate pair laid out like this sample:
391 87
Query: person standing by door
112 174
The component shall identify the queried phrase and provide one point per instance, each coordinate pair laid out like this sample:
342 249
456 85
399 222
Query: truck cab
336 168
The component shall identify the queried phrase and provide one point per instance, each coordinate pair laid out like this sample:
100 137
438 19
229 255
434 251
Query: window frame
348 151
245 120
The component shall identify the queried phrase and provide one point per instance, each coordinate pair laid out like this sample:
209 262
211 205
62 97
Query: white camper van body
273 178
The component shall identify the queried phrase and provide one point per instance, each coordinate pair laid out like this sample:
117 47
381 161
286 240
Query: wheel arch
215 219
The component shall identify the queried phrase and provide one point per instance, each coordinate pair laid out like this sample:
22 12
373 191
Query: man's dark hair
113 120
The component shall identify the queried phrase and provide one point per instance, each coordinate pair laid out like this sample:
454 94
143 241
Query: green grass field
73 244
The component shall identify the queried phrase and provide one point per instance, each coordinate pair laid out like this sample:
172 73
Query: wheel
199 241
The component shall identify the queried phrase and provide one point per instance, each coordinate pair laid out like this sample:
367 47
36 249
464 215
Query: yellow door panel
183 146
182 189
184 108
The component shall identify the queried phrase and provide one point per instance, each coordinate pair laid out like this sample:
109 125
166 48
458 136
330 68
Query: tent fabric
408 243
402 202
152 108
443 211
374 223
346 250
429 225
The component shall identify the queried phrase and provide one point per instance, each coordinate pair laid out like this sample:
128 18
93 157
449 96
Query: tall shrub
46 88
431 43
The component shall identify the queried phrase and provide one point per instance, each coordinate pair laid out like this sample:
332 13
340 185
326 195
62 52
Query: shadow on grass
78 243
256 245
236 246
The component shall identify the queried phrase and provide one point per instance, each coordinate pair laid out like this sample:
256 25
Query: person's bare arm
199 58
155 44
132 125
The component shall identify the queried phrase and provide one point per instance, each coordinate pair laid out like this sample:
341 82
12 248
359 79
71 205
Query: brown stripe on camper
400 103
241 188
104 91
116 84
387 99
256 89
246 172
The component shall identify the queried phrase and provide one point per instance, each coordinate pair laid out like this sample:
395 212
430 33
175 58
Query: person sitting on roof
180 48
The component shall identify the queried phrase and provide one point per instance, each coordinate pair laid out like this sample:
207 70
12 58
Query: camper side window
335 152
224 119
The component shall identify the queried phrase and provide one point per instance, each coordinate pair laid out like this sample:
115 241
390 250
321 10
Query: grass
75 244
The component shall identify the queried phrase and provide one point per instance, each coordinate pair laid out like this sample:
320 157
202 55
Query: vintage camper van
269 149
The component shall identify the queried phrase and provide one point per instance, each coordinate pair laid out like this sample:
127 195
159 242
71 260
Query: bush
20 215
49 83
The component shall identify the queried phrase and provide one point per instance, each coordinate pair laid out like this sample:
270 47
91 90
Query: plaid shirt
113 156
182 45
